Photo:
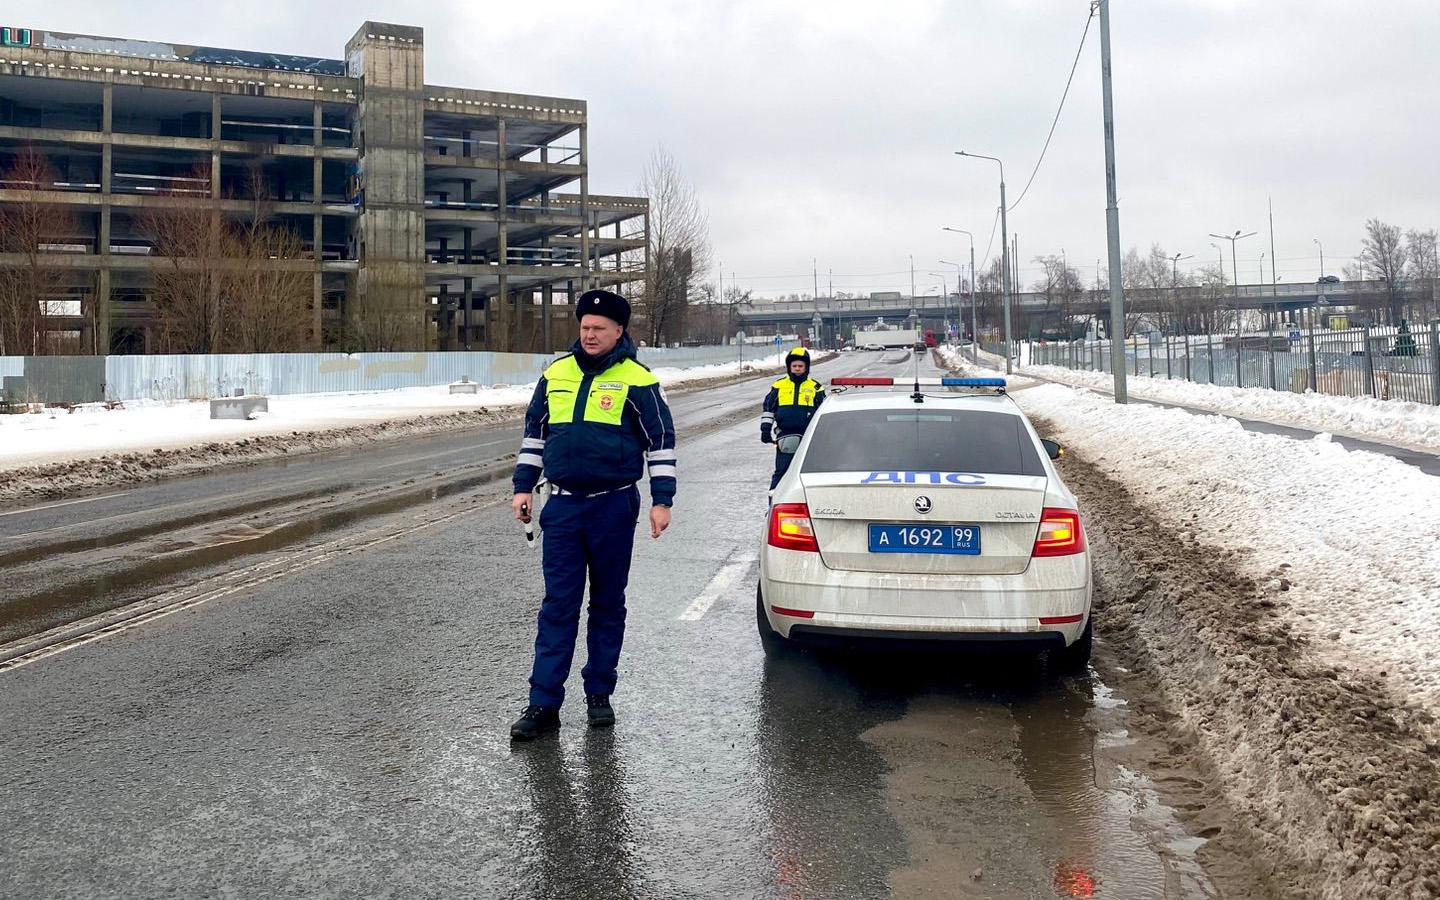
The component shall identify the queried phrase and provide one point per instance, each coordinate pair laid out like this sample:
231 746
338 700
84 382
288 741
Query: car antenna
917 396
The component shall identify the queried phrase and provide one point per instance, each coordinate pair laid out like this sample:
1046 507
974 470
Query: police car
926 514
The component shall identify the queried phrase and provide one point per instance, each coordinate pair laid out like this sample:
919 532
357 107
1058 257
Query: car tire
1075 659
770 639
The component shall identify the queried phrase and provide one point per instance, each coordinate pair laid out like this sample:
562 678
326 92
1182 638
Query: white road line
724 580
31 509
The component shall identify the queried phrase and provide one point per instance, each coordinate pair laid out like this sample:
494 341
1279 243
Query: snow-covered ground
1349 537
1413 425
140 426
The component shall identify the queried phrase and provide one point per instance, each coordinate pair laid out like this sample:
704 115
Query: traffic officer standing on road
597 419
789 406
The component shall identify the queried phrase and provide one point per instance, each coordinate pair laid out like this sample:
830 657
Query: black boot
597 707
534 722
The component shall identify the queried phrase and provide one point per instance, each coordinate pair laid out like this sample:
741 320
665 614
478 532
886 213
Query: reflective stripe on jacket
597 431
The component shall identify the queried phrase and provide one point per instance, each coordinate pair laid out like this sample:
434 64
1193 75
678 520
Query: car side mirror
1054 449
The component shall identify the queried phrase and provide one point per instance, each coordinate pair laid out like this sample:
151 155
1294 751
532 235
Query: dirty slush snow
1323 767
55 453
1285 596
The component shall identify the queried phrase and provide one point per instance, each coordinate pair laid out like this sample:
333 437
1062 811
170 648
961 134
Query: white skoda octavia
931 515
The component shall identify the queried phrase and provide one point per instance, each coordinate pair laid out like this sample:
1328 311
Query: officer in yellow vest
789 406
597 422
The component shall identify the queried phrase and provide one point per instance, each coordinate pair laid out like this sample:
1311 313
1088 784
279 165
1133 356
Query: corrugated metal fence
88 379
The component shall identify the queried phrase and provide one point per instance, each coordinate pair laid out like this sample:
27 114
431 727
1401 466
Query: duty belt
558 491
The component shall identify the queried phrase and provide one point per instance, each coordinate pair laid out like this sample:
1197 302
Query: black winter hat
604 303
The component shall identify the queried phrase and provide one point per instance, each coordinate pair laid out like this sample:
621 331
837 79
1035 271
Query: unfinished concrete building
428 217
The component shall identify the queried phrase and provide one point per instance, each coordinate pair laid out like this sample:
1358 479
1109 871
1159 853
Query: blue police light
973 382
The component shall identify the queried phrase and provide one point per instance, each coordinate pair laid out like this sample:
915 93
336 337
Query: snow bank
91 430
1399 422
1348 536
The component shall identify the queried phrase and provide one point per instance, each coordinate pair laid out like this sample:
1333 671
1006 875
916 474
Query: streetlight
1234 267
1317 243
974 330
1004 250
1175 279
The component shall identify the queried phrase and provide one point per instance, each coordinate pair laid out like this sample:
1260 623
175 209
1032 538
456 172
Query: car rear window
922 440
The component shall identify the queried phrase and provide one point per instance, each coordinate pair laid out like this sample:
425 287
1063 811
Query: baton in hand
528 524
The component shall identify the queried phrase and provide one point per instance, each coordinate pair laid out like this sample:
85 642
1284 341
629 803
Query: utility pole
1274 290
1112 215
912 275
815 280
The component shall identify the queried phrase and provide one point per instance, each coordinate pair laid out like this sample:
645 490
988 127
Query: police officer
597 420
789 406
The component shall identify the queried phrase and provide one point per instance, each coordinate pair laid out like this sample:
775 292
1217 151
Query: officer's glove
765 437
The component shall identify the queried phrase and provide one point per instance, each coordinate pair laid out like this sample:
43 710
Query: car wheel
769 638
1075 658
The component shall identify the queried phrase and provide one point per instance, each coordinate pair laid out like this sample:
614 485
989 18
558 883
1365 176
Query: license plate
962 539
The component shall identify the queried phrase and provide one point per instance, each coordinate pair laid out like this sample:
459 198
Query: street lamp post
1004 250
974 327
1175 280
1322 255
1234 264
1234 268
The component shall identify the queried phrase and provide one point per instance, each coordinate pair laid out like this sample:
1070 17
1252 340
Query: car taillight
1060 533
790 527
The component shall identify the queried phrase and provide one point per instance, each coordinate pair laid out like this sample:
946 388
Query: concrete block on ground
244 406
464 386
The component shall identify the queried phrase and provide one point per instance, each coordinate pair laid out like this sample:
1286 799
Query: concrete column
317 236
467 303
584 208
389 61
107 164
547 297
502 338
215 117
500 319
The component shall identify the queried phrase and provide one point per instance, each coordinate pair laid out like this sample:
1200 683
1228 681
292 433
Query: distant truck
888 338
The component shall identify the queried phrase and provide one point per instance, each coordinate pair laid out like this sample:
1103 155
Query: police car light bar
923 382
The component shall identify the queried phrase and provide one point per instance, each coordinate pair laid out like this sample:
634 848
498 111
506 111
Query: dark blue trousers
583 535
782 465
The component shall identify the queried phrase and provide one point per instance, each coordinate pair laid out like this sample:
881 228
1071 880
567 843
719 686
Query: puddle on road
119 538
1009 781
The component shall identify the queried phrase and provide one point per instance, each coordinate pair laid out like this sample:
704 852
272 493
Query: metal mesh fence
1387 363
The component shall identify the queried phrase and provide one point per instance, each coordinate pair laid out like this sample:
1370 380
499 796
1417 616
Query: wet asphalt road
342 731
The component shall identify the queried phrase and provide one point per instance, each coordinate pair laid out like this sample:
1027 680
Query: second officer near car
597 421
788 408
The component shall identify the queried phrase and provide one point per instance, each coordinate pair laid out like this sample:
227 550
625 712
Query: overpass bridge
844 314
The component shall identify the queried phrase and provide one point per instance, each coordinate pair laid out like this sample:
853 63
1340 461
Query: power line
985 260
1056 121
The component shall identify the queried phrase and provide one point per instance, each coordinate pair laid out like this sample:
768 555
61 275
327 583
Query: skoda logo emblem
922 504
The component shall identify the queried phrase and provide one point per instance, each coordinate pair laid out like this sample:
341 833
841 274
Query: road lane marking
724 580
31 509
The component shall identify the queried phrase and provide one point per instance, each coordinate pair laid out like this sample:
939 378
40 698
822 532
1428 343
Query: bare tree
1061 287
371 323
679 239
228 285
188 290
271 291
1424 250
29 229
1383 253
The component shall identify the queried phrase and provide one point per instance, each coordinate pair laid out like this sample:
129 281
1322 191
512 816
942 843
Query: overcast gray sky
826 129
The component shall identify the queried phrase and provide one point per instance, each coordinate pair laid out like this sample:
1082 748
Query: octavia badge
922 504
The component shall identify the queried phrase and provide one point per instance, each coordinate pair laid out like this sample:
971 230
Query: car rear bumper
1049 601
